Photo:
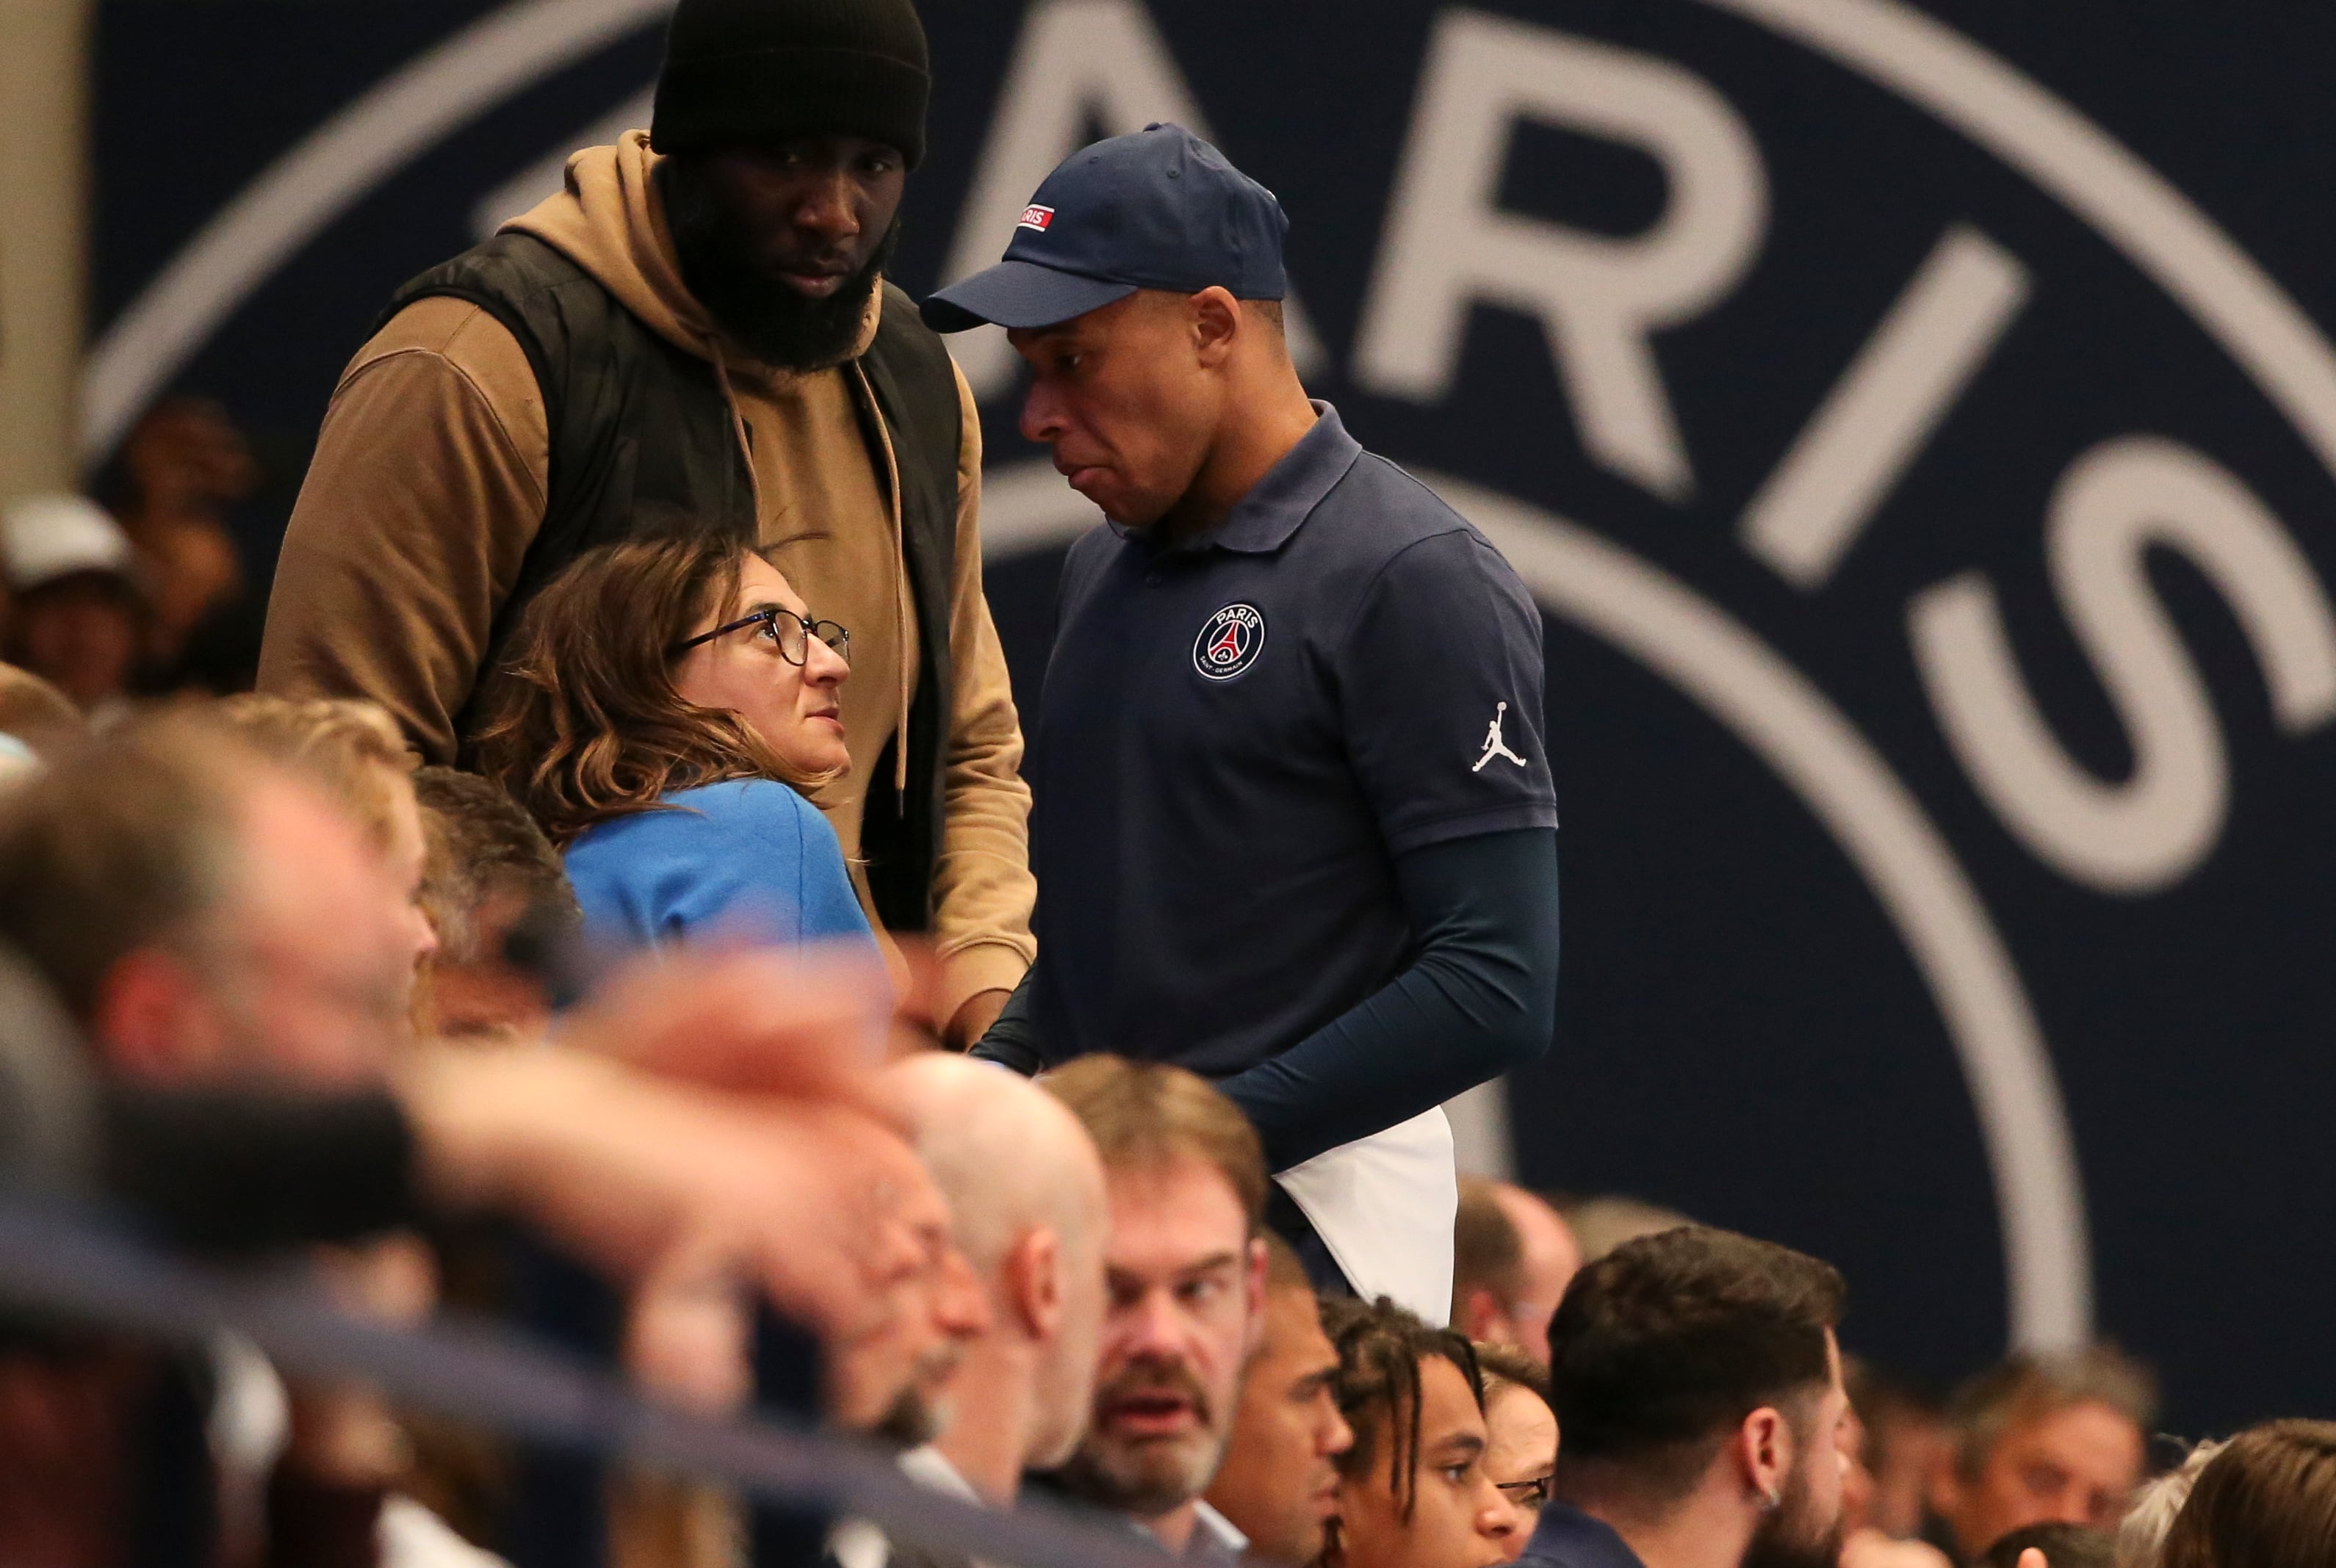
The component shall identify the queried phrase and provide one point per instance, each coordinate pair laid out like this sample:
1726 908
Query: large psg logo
1925 494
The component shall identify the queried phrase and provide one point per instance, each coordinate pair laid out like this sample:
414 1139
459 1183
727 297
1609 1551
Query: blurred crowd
273 936
151 594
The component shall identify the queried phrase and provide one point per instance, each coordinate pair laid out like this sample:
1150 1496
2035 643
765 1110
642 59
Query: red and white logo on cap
1037 218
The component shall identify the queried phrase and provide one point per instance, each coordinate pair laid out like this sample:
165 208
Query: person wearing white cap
74 602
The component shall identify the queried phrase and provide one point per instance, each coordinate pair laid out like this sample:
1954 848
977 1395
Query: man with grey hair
2141 1538
2043 1436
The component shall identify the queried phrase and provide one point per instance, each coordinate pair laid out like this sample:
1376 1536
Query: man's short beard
1153 1483
766 317
1787 1538
1148 1479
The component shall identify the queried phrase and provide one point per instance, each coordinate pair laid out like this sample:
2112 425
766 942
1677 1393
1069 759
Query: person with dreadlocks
1413 1490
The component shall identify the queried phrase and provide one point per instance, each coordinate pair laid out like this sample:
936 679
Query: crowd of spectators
1063 1288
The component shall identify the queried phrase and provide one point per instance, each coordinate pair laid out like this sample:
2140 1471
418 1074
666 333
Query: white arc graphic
274 216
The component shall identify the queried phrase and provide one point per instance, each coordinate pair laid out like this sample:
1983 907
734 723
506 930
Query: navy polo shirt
1237 736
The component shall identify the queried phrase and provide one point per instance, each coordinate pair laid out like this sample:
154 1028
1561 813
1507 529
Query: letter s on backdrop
2114 502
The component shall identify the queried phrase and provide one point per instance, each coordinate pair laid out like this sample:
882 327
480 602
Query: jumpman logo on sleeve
1494 745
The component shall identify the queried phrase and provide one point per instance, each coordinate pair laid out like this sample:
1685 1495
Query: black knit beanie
741 71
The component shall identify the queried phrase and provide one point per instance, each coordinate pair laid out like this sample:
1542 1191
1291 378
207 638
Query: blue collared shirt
1566 1538
1239 735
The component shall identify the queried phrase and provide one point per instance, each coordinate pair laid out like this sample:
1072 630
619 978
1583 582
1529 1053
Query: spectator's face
813 207
1279 1484
1458 1518
81 634
1122 398
783 244
316 956
893 1383
1521 1452
1550 1257
1186 1294
797 709
2074 1466
1904 1447
1805 1529
477 996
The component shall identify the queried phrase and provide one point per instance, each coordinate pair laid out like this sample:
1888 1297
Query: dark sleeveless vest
642 441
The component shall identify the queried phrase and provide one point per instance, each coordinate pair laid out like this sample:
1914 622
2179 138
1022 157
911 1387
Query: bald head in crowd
1513 1254
1027 1192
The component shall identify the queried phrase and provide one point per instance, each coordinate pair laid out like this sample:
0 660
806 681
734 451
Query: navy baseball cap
1157 209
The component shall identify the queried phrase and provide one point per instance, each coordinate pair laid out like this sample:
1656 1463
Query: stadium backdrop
1918 425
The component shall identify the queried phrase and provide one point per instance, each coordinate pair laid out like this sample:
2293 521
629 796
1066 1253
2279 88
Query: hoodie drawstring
738 430
900 590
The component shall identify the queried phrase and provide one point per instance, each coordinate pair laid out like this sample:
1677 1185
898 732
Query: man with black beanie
696 333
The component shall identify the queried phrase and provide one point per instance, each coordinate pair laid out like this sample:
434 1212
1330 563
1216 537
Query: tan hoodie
429 482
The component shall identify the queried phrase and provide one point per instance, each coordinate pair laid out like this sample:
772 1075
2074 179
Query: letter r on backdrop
1449 246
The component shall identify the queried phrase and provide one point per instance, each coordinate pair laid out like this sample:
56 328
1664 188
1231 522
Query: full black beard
770 320
1787 1539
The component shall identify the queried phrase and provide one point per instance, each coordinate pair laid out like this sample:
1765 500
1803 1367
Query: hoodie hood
611 221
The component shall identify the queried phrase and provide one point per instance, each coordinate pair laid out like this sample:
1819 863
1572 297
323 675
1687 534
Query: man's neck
1700 1531
1174 1528
1261 430
988 1452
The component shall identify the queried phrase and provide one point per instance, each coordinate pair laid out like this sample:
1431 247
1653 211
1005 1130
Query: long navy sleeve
1479 998
1012 1040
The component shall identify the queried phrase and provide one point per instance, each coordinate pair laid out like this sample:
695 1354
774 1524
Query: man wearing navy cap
1296 826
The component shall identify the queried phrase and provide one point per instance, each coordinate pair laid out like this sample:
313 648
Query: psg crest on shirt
1229 642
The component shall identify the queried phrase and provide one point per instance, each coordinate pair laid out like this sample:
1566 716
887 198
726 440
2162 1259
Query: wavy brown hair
582 724
2267 1500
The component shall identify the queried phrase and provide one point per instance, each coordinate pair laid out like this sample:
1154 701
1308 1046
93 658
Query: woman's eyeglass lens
786 628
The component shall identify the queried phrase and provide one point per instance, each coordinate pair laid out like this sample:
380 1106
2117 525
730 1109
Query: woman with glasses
666 703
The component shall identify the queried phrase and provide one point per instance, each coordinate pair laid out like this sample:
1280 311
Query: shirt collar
1569 1537
1214 1536
930 1469
1262 522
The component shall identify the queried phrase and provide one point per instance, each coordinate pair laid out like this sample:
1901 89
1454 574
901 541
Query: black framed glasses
790 631
1532 1494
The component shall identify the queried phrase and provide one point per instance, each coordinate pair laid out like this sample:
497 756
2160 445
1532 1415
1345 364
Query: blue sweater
748 859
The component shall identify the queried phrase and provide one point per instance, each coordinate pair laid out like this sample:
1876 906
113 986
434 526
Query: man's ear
1763 1451
1253 1289
1033 1276
1216 321
152 1020
1484 1319
1942 1488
